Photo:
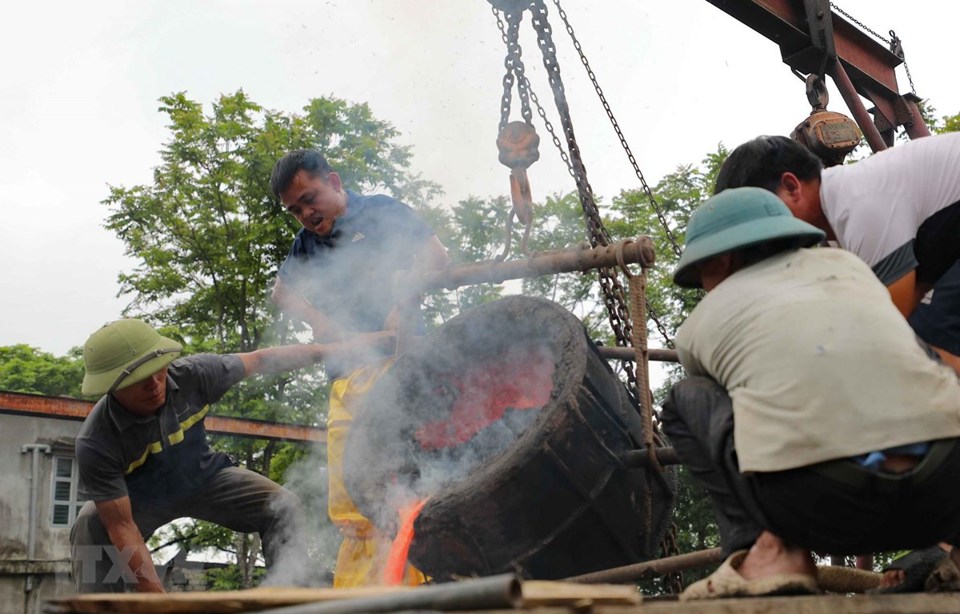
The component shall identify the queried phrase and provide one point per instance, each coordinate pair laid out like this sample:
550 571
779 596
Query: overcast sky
78 109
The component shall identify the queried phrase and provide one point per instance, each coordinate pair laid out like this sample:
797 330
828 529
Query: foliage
230 577
948 123
560 224
27 369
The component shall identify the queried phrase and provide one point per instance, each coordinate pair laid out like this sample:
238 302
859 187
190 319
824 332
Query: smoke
449 409
309 547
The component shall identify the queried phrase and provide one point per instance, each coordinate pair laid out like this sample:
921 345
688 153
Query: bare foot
771 556
891 578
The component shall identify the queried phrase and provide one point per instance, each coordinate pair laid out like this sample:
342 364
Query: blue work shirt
348 275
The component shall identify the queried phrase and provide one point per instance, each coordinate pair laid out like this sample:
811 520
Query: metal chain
893 42
616 127
661 328
862 25
896 46
614 296
673 582
906 69
609 286
513 62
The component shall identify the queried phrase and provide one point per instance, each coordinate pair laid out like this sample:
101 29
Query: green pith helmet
734 219
123 353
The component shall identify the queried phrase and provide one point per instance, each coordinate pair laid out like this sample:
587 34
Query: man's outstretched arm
289 357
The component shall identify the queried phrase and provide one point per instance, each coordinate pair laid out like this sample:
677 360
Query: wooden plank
533 594
538 598
940 603
536 593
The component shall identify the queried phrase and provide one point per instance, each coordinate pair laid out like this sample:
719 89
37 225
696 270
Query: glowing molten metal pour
400 548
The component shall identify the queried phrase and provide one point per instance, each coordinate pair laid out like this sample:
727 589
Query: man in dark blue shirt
144 459
338 279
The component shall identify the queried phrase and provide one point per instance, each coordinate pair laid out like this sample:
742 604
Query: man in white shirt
812 415
898 210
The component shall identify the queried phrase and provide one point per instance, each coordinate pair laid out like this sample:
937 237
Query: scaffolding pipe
860 114
657 567
495 592
622 353
578 259
35 450
636 459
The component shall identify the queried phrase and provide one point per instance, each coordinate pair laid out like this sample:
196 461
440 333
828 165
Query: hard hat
734 219
123 353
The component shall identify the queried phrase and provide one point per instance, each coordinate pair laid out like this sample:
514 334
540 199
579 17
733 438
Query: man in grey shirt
811 414
144 459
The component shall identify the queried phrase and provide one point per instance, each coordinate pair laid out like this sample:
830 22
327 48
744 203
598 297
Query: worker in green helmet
144 459
811 413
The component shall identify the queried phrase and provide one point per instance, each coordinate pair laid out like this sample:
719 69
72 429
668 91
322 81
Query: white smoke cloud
317 537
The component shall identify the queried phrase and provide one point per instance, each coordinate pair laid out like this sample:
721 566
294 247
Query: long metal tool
658 567
495 592
621 353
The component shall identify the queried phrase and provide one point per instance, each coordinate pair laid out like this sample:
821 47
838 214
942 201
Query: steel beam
869 65
75 409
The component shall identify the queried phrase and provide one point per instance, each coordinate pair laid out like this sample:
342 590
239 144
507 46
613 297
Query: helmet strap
136 364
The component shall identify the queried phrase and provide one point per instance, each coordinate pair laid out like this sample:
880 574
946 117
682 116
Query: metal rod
860 114
621 353
495 592
917 128
635 251
640 458
657 567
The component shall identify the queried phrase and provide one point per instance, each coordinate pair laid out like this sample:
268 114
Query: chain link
859 23
513 62
893 43
672 582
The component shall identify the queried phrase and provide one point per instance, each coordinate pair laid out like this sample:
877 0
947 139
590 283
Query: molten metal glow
400 548
520 380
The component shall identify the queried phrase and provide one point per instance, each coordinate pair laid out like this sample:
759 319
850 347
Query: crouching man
811 413
144 459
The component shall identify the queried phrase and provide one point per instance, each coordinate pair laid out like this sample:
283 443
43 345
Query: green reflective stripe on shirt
174 438
153 448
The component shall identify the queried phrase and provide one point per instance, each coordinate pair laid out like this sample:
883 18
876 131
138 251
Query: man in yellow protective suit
337 279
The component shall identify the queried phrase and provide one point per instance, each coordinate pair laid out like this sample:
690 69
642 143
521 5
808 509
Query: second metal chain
893 43
616 127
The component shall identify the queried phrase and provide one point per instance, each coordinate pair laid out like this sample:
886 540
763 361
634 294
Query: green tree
27 369
948 123
208 236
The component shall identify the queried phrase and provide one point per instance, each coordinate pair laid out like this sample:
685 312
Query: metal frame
858 64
